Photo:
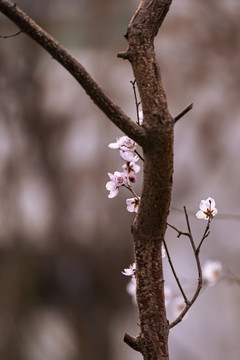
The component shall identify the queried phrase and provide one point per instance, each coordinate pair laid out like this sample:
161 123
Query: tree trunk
150 224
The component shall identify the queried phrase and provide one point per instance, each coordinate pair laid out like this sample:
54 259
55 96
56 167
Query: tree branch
184 112
133 342
150 223
59 53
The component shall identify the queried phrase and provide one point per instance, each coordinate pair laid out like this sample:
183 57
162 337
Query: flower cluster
126 147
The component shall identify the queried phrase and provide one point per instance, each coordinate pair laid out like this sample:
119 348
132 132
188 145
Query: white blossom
207 209
212 271
123 143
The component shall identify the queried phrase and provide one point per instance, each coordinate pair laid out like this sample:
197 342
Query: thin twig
178 231
231 278
200 281
174 273
128 186
184 112
136 152
187 220
137 103
205 234
10 36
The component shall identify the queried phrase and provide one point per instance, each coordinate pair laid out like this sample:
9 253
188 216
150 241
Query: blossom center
208 213
119 180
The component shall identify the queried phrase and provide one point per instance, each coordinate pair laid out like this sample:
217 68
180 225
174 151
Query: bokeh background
63 243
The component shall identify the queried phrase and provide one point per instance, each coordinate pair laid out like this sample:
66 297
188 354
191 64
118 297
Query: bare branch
137 103
196 252
140 156
200 281
174 273
205 234
184 112
178 231
59 53
133 342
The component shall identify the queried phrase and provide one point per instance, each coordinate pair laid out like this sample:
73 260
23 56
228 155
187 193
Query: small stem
178 231
187 220
185 111
206 233
174 273
10 36
132 191
136 152
200 281
137 103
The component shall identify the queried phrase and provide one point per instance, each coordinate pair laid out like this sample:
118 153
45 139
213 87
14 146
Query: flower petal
113 193
200 215
110 185
114 145
210 203
203 205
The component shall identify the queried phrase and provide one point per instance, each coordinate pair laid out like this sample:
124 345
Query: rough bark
150 224
156 138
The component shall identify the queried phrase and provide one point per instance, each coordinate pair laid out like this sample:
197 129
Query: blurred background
63 243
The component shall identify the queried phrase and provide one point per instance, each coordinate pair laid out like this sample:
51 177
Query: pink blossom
133 204
116 180
129 156
124 143
130 271
131 168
